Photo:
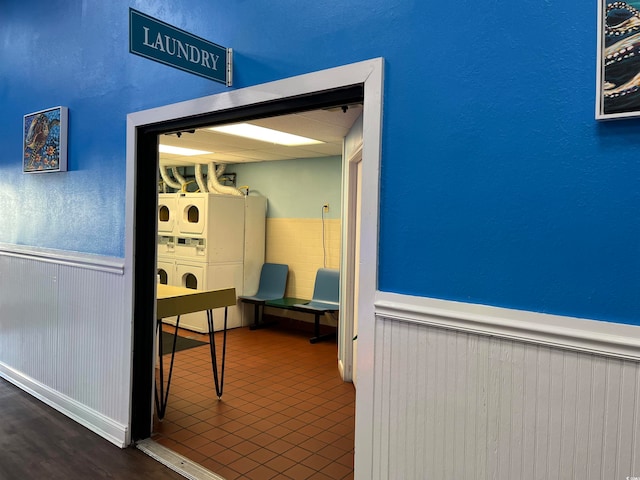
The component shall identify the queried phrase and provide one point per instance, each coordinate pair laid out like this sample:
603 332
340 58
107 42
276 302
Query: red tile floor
285 413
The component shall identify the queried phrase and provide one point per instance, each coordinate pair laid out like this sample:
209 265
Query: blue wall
497 184
295 188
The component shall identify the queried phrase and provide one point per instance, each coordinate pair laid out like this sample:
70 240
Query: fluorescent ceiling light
185 152
265 134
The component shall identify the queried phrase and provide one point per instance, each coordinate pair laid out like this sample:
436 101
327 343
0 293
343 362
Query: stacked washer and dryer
208 241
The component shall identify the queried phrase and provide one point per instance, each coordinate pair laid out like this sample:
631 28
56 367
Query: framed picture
618 84
44 148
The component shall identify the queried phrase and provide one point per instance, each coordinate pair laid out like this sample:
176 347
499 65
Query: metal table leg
161 399
218 378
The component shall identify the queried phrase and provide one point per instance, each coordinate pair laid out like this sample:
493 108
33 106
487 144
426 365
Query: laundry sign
159 41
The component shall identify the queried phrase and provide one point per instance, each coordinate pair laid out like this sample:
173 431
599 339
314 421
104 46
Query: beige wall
297 242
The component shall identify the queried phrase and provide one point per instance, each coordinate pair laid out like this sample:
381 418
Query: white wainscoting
65 334
452 402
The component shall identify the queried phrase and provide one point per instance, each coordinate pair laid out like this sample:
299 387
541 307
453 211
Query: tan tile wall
298 243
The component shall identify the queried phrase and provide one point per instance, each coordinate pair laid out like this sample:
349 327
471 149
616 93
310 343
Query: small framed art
618 83
45 141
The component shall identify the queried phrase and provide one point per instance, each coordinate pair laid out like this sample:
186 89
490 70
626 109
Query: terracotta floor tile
308 417
293 424
279 446
322 411
251 420
331 452
280 463
346 460
320 476
211 464
214 434
197 441
310 430
299 472
182 435
284 405
210 449
264 439
295 438
340 429
297 454
264 425
313 445
247 432
188 421
243 465
230 440
328 437
279 431
246 448
263 455
233 426
344 443
262 472
336 470
316 462
227 473
227 457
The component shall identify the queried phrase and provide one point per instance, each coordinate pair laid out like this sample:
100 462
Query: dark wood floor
37 442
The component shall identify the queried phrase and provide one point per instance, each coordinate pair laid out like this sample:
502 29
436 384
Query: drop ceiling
328 125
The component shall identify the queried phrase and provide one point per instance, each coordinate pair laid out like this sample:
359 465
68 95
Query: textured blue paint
497 185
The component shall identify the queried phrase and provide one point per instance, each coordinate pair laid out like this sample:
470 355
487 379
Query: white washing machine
201 276
166 270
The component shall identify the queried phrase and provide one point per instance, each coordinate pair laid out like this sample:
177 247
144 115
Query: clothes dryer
219 219
167 213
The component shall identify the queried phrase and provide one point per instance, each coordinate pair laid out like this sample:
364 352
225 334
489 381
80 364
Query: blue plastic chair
273 282
326 298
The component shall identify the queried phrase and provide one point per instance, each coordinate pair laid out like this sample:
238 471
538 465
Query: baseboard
114 432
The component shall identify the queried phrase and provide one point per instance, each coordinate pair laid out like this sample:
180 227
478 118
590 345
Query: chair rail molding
593 336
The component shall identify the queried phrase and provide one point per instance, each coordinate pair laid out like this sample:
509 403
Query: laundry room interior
290 212
227 205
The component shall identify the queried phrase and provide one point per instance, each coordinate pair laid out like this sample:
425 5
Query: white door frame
348 268
369 73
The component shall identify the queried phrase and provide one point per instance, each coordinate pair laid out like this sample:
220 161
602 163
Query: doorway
361 82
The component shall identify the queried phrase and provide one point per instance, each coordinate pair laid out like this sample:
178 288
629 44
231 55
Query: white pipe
167 179
200 179
214 184
178 177
211 172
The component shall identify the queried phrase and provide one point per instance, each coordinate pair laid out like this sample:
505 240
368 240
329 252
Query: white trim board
62 257
369 73
597 337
